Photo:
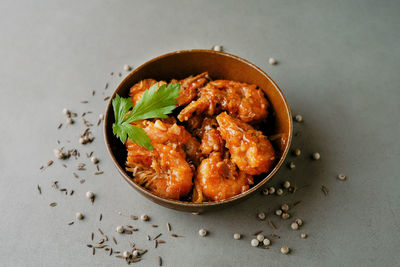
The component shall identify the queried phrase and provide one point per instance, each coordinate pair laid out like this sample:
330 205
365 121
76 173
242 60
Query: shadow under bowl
220 65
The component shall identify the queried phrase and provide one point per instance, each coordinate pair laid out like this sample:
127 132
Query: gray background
339 65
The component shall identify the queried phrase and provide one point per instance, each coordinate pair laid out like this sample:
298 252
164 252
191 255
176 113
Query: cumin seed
100 217
50 162
133 217
154 225
106 86
111 251
115 240
101 232
155 244
65 166
39 189
258 232
92 236
71 192
275 236
75 175
82 181
93 251
148 237
93 92
271 224
59 126
89 245
106 98
175 235
98 173
157 236
161 241
325 190
70 223
84 102
159 261
53 204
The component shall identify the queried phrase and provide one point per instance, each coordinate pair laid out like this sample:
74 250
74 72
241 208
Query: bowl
220 65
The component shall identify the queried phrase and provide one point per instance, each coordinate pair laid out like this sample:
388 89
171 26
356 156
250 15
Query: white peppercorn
217 48
285 250
279 192
120 229
89 194
292 165
341 177
94 160
303 235
299 222
297 152
278 212
79 215
237 236
316 156
285 207
271 190
285 216
286 184
255 242
272 61
294 226
298 118
265 191
261 216
144 217
266 242
127 67
202 232
260 237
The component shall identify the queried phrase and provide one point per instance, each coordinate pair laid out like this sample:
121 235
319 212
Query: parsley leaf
155 103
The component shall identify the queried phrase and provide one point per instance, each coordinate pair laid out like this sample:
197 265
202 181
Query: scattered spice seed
297 203
275 236
70 223
260 237
75 175
59 126
127 67
39 189
41 167
148 237
115 240
98 122
65 166
160 241
299 222
93 251
111 251
100 217
303 235
155 243
144 217
128 232
175 235
285 207
159 261
84 102
101 232
279 192
169 227
71 192
98 173
278 212
53 204
271 224
285 215
106 86
92 236
79 215
271 190
50 162
82 181
89 245
133 217
341 177
325 190
265 191
106 98
119 74
154 225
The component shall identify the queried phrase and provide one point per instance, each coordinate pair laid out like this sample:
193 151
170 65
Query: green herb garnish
155 103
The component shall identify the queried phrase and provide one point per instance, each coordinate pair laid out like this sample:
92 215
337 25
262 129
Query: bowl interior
219 65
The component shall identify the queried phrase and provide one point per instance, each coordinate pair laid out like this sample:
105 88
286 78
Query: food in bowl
212 146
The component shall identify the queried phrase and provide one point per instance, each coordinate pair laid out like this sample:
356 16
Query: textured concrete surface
338 66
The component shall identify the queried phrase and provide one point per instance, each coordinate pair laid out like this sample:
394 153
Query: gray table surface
339 65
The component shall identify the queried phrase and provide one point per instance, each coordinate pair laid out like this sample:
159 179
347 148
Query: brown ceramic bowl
220 65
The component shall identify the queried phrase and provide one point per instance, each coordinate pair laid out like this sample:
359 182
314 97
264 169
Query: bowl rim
184 203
